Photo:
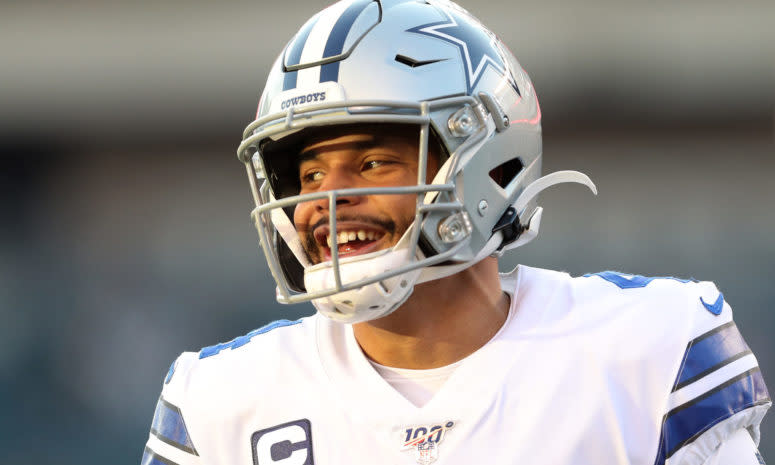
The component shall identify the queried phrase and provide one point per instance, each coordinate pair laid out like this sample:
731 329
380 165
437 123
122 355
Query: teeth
347 236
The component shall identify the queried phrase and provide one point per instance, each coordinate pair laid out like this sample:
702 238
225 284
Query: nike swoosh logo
716 307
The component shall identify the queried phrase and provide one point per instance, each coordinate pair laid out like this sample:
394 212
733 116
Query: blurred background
126 236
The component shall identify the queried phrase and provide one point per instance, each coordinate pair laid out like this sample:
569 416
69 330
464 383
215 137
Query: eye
371 164
376 163
312 176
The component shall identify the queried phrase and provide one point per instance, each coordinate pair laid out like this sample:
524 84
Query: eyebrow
312 153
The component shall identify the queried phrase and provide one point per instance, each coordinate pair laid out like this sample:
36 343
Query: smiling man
395 156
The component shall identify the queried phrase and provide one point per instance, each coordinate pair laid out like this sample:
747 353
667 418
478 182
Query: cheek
301 216
400 208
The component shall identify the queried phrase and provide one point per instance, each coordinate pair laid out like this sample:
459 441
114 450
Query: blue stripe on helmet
293 53
335 42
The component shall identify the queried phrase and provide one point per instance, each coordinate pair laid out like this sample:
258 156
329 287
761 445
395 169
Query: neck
443 321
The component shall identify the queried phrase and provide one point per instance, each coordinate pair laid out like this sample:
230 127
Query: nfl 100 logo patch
424 441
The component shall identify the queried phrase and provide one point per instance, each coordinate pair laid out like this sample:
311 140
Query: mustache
388 225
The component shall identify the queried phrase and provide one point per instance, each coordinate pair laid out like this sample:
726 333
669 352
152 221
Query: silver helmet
430 64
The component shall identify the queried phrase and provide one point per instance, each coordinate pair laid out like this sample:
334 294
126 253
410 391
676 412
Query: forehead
359 138
357 143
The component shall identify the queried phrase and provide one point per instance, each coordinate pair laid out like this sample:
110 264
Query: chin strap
513 231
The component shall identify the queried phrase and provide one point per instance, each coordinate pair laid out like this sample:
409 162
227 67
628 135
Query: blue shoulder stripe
242 340
169 427
687 422
709 352
152 458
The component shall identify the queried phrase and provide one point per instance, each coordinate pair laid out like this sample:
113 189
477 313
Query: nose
335 179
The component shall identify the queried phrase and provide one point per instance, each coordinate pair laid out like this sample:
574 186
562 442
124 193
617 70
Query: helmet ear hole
504 173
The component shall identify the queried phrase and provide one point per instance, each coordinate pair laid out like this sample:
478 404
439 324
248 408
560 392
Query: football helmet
429 64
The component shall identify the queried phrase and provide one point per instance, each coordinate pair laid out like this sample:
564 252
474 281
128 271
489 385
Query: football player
395 155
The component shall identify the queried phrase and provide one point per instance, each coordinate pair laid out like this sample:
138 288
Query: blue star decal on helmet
477 46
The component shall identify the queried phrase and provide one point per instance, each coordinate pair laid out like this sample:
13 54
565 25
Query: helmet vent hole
374 307
504 173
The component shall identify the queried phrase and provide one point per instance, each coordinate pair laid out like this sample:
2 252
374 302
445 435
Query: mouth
349 240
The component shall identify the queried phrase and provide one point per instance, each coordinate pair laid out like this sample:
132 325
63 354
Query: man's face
357 159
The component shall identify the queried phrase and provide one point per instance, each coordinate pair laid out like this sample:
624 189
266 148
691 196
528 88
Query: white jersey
601 369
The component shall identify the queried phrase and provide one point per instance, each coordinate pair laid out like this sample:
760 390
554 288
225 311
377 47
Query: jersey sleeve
718 389
170 441
739 449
